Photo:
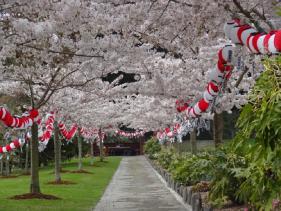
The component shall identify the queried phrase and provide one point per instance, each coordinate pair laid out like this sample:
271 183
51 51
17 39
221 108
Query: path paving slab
136 186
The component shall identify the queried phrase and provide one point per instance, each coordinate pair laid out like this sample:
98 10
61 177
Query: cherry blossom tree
169 47
44 53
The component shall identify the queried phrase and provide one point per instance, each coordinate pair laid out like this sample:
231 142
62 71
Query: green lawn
81 196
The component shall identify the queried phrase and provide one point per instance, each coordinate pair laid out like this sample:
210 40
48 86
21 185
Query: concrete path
137 187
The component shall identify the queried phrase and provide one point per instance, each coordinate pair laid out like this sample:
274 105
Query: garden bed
195 196
61 171
34 196
62 182
82 171
9 177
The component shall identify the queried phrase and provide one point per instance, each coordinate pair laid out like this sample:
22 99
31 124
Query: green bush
224 181
191 169
249 171
152 147
187 169
166 156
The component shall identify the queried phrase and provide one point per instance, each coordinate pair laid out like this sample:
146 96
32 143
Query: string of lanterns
101 137
16 143
135 134
217 78
45 130
89 133
21 122
67 134
182 128
256 42
239 34
45 136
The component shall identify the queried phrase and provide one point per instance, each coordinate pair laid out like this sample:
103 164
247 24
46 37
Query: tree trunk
7 166
2 161
20 166
193 141
101 150
26 167
140 142
7 162
92 152
218 129
101 145
2 167
57 149
79 152
34 185
60 155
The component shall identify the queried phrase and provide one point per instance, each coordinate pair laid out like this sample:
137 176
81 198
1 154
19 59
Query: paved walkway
137 187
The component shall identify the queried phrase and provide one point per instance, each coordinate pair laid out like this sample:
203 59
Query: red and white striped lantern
256 42
49 127
239 34
23 122
68 135
15 144
135 134
216 77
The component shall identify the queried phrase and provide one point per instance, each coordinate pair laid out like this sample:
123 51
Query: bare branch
241 76
42 99
262 17
12 6
248 15
62 52
155 42
47 98
66 75
81 84
178 34
183 3
122 4
153 2
31 92
159 17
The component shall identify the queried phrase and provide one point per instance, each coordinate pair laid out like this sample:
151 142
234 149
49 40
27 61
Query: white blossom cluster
60 52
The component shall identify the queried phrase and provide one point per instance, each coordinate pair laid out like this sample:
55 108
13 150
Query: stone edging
190 198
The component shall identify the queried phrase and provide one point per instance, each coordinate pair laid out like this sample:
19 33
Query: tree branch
150 7
43 102
122 4
262 17
247 14
241 77
81 84
42 99
183 3
11 7
156 44
31 93
64 53
159 17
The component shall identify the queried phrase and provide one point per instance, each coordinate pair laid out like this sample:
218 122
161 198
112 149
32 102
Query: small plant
166 156
152 147
225 183
201 187
190 169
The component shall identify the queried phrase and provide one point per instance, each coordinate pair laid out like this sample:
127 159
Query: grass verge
80 196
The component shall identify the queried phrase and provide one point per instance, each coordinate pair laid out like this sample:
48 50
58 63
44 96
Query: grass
81 196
